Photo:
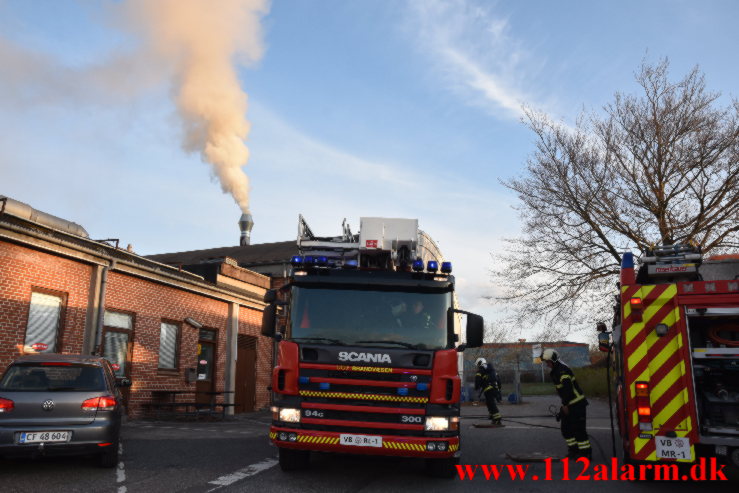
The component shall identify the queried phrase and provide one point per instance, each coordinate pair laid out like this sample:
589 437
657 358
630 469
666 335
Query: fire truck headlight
437 423
290 415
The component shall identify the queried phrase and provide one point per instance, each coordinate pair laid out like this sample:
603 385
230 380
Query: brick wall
152 303
21 271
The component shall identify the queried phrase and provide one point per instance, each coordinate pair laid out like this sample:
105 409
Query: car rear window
50 376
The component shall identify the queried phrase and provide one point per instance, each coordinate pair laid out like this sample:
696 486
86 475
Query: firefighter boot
496 419
572 450
586 452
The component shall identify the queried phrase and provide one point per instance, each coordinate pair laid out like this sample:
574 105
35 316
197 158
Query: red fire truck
676 348
366 348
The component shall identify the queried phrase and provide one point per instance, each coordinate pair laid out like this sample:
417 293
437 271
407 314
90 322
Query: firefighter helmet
480 362
549 355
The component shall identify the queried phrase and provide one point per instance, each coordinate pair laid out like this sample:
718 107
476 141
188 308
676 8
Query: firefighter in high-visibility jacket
487 381
572 413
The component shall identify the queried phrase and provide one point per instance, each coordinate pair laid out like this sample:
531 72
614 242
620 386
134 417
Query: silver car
57 404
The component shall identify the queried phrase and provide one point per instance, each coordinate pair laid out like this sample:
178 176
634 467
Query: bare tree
658 168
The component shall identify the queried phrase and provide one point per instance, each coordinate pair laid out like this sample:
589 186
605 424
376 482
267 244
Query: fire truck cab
367 352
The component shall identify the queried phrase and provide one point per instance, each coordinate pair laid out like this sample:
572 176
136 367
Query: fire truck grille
322 398
360 375
365 431
369 395
399 418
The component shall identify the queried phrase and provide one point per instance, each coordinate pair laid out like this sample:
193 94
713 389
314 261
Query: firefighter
486 380
572 413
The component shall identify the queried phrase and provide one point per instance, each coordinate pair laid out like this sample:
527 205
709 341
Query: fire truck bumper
403 446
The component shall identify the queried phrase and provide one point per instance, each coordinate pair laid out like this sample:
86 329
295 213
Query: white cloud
471 49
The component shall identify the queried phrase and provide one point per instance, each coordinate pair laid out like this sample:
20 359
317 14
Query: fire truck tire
442 468
292 460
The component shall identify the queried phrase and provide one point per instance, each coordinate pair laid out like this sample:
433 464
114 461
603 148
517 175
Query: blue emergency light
296 261
446 267
402 391
322 261
417 265
432 266
422 386
309 259
324 385
304 380
351 264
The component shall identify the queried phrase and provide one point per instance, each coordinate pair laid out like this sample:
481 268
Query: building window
117 339
168 346
44 318
118 320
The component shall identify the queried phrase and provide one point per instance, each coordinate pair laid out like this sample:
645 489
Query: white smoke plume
202 41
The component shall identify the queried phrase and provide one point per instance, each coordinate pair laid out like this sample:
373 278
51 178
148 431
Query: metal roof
246 256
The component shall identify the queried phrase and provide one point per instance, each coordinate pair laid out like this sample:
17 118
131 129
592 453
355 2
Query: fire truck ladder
338 249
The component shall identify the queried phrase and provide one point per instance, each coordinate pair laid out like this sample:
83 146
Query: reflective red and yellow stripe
660 361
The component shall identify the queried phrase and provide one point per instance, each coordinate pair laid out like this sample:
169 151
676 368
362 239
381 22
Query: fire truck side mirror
268 320
604 342
475 329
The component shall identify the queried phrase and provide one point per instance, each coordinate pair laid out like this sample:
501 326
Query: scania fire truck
676 348
367 351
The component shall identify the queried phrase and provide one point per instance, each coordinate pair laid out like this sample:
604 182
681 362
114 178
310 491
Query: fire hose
714 333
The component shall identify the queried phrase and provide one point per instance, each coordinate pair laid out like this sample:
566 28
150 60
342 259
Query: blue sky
357 108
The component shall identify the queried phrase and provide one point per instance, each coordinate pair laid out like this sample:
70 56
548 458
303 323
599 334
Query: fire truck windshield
365 317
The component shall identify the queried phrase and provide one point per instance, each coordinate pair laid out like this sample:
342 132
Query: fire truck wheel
291 460
442 468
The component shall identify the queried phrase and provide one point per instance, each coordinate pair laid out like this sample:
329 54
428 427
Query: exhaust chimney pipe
245 225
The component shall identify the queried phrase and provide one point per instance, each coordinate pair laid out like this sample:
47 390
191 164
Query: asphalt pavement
235 456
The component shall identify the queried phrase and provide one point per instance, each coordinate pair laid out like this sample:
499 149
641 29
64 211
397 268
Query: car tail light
105 403
6 405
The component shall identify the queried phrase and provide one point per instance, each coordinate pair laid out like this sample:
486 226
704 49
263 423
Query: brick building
163 327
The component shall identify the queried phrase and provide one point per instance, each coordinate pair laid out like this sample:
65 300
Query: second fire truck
676 341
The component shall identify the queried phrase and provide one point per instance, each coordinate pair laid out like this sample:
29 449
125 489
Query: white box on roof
380 233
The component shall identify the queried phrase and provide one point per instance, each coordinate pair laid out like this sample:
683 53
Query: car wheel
109 457
442 468
291 460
